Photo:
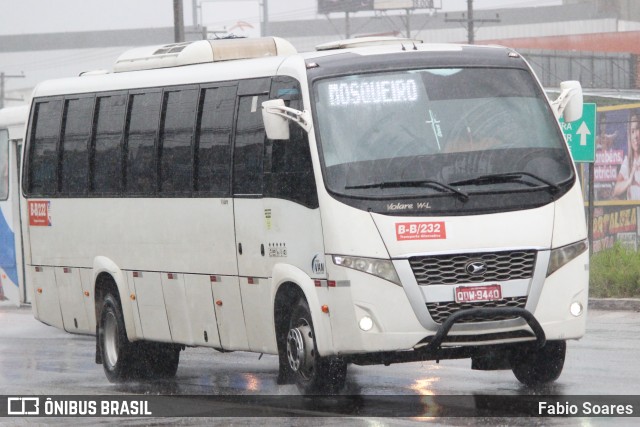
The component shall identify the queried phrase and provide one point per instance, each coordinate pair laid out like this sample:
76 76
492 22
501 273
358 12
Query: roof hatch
202 51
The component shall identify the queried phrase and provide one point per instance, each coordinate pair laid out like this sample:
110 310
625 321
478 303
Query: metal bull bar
487 312
434 351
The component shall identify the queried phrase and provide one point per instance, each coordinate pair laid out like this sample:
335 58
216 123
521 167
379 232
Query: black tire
314 374
534 367
118 354
160 360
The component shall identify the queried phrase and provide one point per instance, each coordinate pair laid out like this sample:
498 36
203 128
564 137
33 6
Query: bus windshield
418 133
4 164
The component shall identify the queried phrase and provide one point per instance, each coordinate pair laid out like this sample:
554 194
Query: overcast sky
44 16
54 16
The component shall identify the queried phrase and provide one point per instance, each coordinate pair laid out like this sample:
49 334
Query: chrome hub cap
300 349
110 340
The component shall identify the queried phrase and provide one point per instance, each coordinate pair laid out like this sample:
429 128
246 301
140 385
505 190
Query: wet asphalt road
36 359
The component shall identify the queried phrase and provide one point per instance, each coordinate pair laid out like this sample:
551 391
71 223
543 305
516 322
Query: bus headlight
382 268
563 255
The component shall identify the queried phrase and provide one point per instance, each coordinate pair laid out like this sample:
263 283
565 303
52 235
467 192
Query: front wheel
314 374
534 367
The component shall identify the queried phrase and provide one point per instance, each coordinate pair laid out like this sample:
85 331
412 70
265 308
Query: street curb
632 304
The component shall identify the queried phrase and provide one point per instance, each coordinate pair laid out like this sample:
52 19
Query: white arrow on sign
583 131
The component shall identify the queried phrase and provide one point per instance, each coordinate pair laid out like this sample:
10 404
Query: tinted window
176 165
43 159
288 168
249 146
214 143
107 155
141 173
74 156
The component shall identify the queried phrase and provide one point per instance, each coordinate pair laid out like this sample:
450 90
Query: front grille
440 311
451 269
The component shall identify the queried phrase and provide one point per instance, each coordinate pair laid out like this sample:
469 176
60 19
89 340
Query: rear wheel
540 366
118 354
314 374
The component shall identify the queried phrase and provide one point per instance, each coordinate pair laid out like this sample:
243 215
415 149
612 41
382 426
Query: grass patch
615 273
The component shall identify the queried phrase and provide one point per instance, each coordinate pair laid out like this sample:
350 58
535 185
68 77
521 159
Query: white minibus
373 202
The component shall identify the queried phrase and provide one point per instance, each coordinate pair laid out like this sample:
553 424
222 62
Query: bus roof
205 61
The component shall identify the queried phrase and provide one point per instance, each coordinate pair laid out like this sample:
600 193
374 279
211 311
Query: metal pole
265 18
591 206
194 13
178 21
2 89
470 30
408 23
347 26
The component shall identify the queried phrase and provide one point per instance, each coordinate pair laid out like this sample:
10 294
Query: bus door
249 214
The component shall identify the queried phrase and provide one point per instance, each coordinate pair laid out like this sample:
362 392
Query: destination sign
369 91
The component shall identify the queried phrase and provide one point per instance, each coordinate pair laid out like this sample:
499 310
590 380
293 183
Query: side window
107 151
176 159
42 169
288 166
213 155
249 146
141 172
74 146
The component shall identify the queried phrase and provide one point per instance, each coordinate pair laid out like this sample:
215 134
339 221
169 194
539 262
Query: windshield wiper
506 177
416 183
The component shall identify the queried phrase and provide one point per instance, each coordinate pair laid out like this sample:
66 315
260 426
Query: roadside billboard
617 165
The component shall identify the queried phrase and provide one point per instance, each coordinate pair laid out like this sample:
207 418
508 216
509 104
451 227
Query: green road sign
581 135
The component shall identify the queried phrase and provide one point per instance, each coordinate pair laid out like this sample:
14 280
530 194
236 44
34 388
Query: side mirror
276 125
276 117
569 103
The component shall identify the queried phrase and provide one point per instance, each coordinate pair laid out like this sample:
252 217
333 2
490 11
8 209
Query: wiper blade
416 183
506 177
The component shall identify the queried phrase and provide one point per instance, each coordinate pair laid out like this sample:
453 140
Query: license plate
478 293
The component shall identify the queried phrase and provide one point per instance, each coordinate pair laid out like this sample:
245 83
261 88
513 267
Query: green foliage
615 273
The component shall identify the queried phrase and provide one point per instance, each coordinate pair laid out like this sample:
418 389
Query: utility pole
471 33
470 21
178 21
3 77
347 25
265 18
194 14
408 23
